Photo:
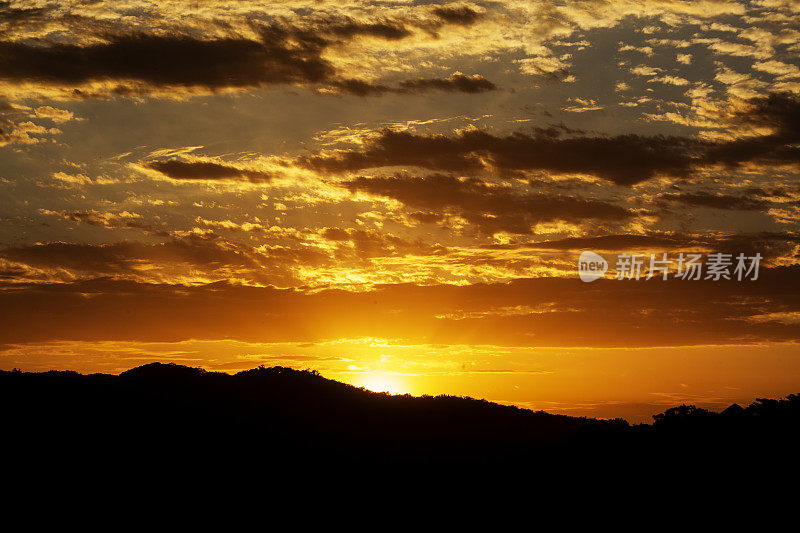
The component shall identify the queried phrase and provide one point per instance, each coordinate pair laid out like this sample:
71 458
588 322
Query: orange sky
397 194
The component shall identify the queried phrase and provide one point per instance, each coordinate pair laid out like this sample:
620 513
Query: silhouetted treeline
285 415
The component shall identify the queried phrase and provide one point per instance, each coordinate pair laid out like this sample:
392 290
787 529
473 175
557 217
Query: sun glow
390 383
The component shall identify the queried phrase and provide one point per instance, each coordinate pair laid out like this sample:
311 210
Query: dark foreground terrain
278 416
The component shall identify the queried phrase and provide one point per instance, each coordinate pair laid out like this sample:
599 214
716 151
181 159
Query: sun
383 383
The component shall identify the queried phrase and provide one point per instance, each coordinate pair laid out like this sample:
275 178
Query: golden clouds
218 169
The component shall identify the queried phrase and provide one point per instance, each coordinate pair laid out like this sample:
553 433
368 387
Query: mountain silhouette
160 411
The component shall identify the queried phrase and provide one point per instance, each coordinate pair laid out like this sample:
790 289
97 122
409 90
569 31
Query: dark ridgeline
279 416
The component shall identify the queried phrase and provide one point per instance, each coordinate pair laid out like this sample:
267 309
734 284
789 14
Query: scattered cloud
207 171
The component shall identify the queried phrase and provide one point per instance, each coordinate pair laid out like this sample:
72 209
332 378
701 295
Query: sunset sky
396 193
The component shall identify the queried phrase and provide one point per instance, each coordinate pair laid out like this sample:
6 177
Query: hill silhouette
291 416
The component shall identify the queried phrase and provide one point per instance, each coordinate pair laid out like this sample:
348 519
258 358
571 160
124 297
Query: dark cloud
622 159
463 15
455 83
126 257
283 53
604 313
612 242
11 16
360 87
716 201
625 159
370 243
488 208
109 220
391 30
203 170
770 245
426 217
168 61
779 111
765 150
206 255
93 218
336 234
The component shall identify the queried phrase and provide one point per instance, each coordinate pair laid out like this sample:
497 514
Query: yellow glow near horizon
633 383
382 382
